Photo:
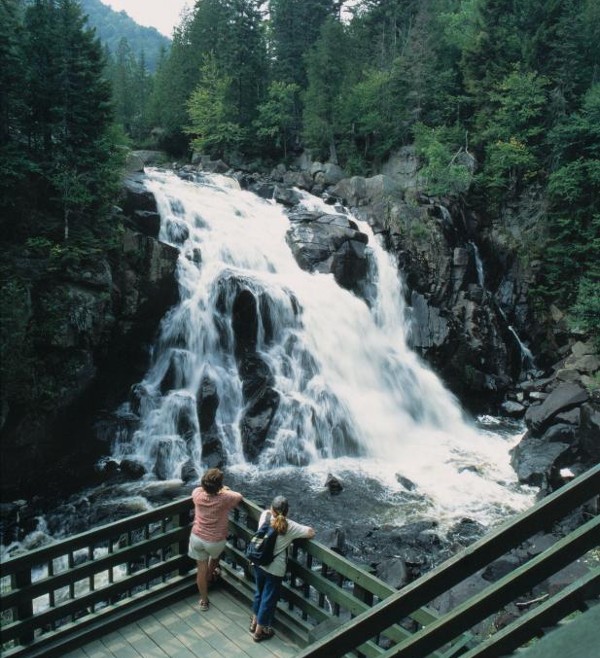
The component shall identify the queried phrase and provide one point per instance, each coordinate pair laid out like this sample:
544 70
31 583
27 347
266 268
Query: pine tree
327 72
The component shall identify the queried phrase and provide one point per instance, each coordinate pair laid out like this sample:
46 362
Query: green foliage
16 362
294 28
326 71
574 217
513 131
214 133
585 313
440 172
276 117
132 90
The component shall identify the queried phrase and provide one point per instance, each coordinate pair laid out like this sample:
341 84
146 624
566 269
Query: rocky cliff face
467 288
98 322
459 320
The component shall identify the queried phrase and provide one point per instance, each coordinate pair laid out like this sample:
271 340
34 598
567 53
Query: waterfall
527 359
478 264
351 393
527 362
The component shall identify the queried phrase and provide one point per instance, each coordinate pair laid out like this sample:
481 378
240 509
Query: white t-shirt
294 531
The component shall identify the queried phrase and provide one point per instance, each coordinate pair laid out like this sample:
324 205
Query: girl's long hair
280 507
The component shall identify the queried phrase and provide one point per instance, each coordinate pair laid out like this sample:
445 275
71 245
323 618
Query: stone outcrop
563 420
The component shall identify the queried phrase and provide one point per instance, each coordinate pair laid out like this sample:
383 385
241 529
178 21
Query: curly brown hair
212 480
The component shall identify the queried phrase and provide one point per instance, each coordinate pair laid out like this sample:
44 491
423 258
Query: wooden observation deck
127 590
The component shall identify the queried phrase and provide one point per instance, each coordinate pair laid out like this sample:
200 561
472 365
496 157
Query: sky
164 15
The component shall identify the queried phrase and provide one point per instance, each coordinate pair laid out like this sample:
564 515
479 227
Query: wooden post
24 608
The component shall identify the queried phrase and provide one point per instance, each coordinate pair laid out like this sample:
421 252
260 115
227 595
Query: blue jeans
265 596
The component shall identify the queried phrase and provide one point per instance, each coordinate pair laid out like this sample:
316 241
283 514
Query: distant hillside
111 26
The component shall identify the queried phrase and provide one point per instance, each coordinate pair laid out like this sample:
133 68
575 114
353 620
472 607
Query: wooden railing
68 593
65 593
434 636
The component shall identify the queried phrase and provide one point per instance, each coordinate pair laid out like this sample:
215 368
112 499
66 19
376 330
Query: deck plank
118 645
181 630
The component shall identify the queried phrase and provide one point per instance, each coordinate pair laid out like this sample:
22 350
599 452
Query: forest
498 97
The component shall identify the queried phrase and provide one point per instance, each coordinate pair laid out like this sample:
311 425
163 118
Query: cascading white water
527 361
478 265
352 395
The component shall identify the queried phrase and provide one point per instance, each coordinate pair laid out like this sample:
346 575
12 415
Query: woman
269 577
212 502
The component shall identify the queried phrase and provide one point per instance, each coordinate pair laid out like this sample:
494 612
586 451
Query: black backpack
261 548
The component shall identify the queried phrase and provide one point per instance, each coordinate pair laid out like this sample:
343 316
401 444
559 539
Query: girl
270 576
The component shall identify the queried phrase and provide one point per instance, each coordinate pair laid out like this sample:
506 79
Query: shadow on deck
180 630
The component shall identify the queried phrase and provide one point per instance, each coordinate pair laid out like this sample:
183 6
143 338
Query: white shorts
199 549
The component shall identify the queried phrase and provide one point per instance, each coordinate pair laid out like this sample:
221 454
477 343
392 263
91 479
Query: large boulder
534 459
564 397
329 243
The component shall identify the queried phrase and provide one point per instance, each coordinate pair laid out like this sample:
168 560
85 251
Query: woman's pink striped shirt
211 513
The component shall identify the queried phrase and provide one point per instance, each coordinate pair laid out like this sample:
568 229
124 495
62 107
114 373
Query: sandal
265 634
216 574
204 605
252 627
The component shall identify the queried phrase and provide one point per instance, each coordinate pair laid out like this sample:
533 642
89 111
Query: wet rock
409 485
244 321
140 398
213 452
132 468
208 403
589 430
286 196
256 421
465 532
330 244
334 539
563 398
533 459
393 572
189 473
135 196
146 222
560 432
333 484
513 409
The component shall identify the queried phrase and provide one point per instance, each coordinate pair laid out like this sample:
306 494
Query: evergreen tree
327 73
276 118
15 165
210 115
231 32
571 255
294 27
67 122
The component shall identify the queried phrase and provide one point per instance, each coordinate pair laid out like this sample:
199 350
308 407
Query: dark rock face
262 401
589 433
100 316
563 420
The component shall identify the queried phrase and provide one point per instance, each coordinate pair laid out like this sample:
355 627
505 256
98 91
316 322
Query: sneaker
204 605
